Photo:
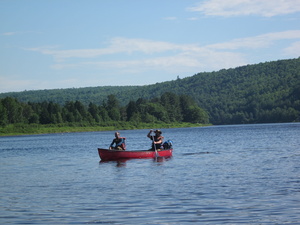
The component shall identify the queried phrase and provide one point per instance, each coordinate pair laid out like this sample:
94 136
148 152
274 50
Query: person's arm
149 135
112 143
160 140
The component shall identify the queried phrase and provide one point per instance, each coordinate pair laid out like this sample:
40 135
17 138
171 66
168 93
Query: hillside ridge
264 92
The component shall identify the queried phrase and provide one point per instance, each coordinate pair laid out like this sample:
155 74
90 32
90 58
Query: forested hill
265 92
85 95
261 93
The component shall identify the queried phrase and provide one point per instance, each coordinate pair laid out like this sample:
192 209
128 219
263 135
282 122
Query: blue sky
48 44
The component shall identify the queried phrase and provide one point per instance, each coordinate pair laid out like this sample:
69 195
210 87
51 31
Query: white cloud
145 55
116 46
191 58
260 41
9 33
193 18
9 81
265 8
293 50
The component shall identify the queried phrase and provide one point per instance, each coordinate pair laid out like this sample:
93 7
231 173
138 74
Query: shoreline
36 129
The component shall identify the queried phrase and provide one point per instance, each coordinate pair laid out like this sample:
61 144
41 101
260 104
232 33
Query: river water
241 174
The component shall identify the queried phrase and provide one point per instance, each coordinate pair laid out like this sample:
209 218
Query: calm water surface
243 174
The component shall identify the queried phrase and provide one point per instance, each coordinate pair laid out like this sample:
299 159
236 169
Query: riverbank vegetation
170 110
26 129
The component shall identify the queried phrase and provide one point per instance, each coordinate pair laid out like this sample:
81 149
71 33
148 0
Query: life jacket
123 145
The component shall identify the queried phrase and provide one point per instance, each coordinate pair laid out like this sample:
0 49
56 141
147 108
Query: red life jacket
123 145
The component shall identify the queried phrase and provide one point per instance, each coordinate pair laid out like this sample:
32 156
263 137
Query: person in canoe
118 142
157 139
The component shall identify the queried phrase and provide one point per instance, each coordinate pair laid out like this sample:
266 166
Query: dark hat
158 131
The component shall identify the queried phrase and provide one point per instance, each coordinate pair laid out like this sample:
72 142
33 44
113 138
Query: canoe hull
106 154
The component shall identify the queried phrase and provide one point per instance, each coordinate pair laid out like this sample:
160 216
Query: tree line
261 93
167 108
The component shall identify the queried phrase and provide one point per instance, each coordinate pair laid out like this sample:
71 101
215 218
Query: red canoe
106 154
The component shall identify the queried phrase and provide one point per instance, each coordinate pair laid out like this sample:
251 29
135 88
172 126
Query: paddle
156 153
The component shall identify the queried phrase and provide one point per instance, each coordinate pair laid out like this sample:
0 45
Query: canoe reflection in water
123 162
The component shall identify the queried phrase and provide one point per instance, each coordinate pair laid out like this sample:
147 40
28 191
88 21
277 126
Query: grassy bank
27 129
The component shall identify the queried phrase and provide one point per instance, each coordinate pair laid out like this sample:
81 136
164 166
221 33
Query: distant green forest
262 93
169 108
